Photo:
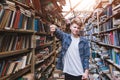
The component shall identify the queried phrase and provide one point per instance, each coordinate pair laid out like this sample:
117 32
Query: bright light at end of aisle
84 5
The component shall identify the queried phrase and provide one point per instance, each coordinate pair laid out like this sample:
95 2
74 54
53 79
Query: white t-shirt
72 61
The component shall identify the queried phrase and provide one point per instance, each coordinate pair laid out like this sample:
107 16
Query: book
4 19
17 18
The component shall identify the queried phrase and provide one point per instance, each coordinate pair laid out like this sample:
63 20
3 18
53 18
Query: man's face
75 29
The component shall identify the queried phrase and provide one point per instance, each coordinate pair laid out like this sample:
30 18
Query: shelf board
45 45
20 73
18 31
51 72
4 77
108 75
46 57
21 4
12 53
116 7
42 33
114 64
58 50
109 30
104 44
39 62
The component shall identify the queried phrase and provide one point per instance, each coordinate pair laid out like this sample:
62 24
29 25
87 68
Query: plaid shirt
84 49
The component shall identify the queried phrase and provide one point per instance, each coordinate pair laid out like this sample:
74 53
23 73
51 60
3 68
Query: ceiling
81 8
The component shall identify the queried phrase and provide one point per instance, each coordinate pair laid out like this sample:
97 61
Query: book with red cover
17 18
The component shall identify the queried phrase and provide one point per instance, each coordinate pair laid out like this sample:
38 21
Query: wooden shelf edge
45 45
11 53
18 31
24 5
49 55
41 33
108 75
101 43
114 64
46 57
107 31
20 72
51 72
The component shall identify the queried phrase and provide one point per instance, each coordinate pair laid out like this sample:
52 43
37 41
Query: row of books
41 40
15 42
36 4
107 21
106 26
16 18
11 66
100 54
20 18
116 37
104 66
107 38
115 56
111 38
106 53
39 26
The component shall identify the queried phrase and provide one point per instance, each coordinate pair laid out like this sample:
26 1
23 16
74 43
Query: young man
75 52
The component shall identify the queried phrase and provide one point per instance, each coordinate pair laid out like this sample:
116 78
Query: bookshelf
102 29
26 45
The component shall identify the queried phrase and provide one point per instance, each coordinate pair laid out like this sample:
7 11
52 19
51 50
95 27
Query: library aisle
59 39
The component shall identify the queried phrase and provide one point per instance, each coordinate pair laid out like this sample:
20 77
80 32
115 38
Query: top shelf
19 3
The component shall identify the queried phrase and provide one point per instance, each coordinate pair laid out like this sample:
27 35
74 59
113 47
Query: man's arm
86 60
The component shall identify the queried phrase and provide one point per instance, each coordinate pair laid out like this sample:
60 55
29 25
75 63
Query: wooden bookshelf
105 35
27 21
